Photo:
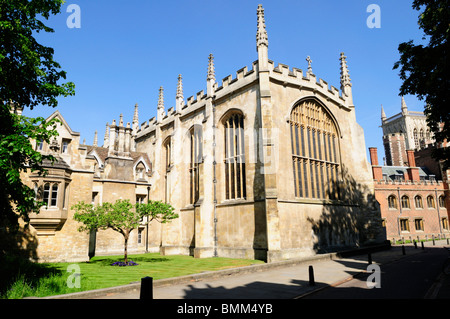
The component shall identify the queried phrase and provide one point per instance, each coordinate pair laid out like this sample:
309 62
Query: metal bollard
311 276
403 250
447 241
146 288
415 244
423 247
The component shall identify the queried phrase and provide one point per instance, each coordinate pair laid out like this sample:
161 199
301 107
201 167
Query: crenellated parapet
308 81
281 73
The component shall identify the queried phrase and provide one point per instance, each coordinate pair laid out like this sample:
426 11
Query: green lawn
41 280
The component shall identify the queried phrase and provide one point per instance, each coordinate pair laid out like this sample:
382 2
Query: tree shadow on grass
17 258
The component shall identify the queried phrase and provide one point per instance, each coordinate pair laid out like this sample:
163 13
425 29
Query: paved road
410 277
402 276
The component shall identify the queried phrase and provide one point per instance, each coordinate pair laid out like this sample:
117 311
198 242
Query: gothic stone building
90 174
266 164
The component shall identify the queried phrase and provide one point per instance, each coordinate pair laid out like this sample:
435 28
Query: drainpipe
215 177
437 208
146 240
400 206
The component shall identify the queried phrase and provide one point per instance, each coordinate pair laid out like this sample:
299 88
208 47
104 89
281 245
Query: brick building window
404 224
418 223
405 202
315 151
418 201
430 202
441 201
235 186
196 154
392 202
445 223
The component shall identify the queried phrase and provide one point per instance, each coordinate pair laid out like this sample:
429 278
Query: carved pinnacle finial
261 33
308 59
383 115
95 139
345 77
211 73
161 98
179 87
106 138
404 107
121 120
136 114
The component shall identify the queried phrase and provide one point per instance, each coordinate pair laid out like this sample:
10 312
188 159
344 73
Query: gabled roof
102 154
58 115
392 171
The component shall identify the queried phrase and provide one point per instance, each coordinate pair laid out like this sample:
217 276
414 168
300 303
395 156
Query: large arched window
234 157
196 155
315 151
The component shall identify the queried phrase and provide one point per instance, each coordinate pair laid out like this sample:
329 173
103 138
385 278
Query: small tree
121 216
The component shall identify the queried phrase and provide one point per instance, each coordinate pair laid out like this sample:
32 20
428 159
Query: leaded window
234 157
315 151
196 154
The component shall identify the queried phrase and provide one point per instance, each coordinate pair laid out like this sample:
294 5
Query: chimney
413 171
376 169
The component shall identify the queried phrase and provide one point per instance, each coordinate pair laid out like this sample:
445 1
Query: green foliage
121 216
425 69
156 210
28 77
17 155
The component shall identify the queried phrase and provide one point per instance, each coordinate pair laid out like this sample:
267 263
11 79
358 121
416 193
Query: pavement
292 279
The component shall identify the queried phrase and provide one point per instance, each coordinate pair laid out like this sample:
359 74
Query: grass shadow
16 268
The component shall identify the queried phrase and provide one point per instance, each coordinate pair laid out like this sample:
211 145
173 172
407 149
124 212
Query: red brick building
414 203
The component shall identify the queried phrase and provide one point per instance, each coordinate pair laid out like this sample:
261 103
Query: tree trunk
125 249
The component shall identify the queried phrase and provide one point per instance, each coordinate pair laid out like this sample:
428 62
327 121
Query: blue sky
125 50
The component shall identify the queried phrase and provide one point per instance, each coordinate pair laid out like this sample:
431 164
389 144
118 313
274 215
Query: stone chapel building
269 164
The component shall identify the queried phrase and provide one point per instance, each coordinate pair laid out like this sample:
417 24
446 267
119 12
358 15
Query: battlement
409 182
295 76
281 73
241 74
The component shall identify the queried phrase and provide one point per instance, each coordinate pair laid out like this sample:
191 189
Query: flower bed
122 263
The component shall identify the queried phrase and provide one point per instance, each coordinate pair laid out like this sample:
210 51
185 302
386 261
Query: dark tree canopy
425 69
29 77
